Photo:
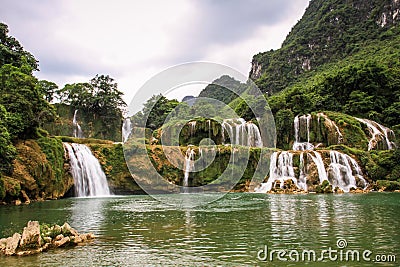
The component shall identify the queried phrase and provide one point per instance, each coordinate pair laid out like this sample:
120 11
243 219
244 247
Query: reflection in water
141 231
88 213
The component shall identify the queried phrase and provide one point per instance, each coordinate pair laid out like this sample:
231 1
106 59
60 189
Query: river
241 229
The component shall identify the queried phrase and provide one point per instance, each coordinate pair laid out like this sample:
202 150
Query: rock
56 229
67 229
12 244
47 239
25 197
90 236
59 237
62 242
17 202
31 235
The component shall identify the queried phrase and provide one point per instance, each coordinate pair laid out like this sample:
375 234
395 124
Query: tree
155 112
11 51
106 98
22 99
48 89
7 150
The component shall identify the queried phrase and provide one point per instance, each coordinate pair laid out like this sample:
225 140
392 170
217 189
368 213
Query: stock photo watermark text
339 253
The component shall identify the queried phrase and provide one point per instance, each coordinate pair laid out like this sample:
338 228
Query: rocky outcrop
37 238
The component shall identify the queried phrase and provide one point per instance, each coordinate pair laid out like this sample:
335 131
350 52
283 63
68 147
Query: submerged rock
37 238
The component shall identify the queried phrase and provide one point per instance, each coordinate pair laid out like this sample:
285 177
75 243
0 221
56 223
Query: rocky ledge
37 238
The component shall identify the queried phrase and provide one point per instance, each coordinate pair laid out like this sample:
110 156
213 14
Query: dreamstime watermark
339 253
140 161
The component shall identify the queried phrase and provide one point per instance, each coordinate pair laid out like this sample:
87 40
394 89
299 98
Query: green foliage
100 97
19 95
284 127
54 151
47 89
156 111
7 150
328 32
224 89
11 51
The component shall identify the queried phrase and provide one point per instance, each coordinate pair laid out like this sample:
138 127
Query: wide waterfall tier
311 131
240 132
381 137
78 133
230 131
89 178
308 170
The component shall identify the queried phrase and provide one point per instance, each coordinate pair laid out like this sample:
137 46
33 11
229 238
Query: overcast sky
133 40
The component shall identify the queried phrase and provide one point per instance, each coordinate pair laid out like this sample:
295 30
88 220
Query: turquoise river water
241 229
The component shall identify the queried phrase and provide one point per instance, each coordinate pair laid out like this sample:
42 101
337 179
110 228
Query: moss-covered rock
40 171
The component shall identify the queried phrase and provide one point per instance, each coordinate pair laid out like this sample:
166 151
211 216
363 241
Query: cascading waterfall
126 129
299 122
192 125
343 171
331 123
302 182
189 165
242 133
77 128
280 169
317 159
380 135
89 178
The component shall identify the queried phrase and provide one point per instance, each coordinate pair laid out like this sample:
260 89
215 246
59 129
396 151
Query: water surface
141 231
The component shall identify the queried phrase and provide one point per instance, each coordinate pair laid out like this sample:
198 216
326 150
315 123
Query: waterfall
380 135
126 129
77 128
299 122
280 169
189 164
89 178
302 182
192 125
343 170
331 124
317 159
241 133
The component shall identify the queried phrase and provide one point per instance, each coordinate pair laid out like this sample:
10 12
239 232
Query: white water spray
89 178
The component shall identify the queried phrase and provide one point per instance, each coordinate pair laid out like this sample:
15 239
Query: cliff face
40 172
328 31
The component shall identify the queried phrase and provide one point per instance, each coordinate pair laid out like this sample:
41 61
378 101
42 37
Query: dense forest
27 104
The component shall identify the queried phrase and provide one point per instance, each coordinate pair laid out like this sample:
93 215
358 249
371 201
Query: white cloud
133 40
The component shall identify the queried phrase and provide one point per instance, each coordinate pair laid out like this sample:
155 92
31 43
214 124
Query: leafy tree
105 98
11 51
7 150
48 89
155 112
22 99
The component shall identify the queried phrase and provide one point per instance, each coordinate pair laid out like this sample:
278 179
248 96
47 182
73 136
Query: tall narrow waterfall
126 129
77 128
189 164
89 178
299 123
380 135
241 133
